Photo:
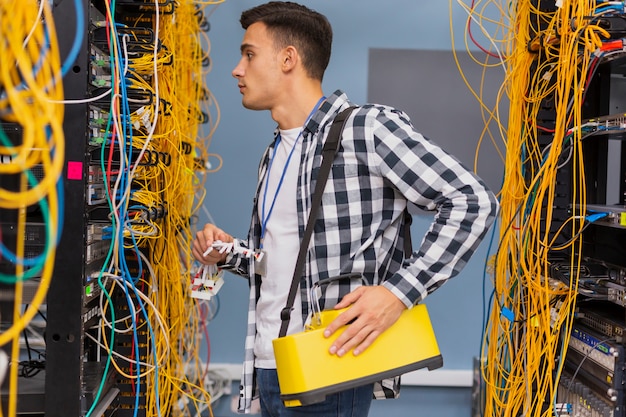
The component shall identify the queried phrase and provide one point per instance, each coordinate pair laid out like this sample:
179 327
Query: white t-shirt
281 244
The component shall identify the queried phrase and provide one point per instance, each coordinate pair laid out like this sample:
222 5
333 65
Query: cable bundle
154 161
548 59
32 151
32 145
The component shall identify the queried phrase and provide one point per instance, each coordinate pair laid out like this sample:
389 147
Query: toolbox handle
314 301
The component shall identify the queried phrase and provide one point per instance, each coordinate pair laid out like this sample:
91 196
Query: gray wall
365 31
428 86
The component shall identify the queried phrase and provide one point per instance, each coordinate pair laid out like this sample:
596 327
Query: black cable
30 368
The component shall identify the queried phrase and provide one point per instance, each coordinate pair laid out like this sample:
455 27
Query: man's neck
294 110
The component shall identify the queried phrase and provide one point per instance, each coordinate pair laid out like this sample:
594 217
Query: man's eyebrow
245 46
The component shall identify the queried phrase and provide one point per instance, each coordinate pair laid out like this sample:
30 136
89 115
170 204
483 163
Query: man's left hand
373 309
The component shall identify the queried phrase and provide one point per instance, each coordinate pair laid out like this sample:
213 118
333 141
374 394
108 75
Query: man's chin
251 106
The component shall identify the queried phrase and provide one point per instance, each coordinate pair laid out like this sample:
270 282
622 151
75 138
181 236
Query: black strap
328 155
408 245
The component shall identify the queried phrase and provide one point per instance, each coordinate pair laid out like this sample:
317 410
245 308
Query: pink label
74 170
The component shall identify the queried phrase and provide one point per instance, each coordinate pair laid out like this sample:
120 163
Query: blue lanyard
265 219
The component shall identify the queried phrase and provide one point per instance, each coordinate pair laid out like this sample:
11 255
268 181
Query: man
382 165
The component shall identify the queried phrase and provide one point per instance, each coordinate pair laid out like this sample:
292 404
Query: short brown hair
291 23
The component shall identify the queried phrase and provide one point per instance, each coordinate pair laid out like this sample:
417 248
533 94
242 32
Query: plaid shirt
382 164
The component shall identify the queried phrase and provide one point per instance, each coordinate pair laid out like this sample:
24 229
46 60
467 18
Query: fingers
357 337
350 298
203 245
372 311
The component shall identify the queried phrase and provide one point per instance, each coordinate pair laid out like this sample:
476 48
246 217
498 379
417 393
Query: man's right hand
204 240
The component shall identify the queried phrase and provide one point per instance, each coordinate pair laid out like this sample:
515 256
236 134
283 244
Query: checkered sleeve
434 180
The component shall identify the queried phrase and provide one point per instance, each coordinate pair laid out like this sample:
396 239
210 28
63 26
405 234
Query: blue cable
112 342
124 183
595 216
118 229
601 9
124 216
78 39
129 301
154 352
126 143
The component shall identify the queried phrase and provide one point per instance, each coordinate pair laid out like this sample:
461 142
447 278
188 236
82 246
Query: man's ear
289 58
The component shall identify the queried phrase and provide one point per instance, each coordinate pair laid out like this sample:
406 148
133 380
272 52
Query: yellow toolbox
307 372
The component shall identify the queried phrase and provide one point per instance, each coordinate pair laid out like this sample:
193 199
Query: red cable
469 31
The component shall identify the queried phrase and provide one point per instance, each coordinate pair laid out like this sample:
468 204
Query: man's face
258 71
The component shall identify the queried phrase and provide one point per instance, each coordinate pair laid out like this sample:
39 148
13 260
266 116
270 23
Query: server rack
564 226
592 377
77 379
65 367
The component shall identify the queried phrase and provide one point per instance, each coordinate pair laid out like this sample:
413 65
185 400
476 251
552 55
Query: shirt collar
325 114
327 111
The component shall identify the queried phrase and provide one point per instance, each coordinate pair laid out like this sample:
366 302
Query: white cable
83 101
468 10
37 20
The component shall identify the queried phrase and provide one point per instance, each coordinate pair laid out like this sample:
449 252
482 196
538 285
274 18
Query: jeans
349 403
